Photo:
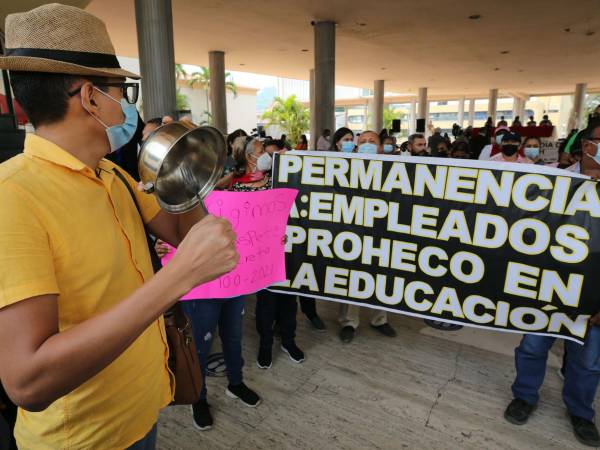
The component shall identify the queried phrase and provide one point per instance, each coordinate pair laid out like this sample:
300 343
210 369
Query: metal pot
181 164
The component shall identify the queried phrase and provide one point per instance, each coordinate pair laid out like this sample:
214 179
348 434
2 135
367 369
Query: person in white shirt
323 144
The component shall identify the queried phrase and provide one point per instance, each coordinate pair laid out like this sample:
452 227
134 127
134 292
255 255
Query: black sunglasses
130 90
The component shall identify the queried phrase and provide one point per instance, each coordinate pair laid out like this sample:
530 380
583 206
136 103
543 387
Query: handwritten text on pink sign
259 220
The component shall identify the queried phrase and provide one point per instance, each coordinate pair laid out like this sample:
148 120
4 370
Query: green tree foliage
180 72
290 115
181 100
591 102
389 115
202 80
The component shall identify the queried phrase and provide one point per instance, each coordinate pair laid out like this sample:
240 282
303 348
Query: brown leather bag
183 358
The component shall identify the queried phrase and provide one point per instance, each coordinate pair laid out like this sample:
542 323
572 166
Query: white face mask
264 162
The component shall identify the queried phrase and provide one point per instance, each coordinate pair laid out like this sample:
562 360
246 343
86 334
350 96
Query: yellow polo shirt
65 230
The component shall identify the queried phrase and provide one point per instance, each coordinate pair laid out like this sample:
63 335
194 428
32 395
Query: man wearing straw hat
82 341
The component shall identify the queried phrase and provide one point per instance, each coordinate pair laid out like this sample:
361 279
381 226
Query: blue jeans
582 371
146 443
227 314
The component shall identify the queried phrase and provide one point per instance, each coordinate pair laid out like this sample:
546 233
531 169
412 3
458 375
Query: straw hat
60 39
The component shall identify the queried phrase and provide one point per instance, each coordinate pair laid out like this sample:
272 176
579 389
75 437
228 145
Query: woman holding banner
252 164
343 140
532 148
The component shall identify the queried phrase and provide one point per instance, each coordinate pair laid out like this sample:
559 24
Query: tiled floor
422 390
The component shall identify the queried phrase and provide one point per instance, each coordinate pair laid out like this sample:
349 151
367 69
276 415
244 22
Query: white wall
241 111
197 103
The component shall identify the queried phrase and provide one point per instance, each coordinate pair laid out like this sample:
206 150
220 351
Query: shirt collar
38 147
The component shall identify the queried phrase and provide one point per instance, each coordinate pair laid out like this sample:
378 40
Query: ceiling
551 44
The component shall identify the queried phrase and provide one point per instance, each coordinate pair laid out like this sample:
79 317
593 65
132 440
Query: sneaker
317 324
293 352
518 411
201 414
242 392
385 329
265 358
585 431
347 334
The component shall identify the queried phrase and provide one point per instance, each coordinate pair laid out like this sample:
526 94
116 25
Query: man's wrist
174 281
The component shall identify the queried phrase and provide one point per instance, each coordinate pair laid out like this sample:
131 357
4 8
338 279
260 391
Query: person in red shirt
303 144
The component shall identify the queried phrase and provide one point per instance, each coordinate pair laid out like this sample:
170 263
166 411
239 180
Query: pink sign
259 220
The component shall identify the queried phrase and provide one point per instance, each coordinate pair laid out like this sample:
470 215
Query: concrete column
517 108
471 112
413 117
324 76
312 145
378 105
154 21
370 117
422 107
576 120
461 111
218 102
522 107
493 105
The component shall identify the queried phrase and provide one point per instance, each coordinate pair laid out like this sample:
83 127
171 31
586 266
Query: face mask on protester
367 148
532 152
596 157
509 149
120 135
388 148
264 162
347 146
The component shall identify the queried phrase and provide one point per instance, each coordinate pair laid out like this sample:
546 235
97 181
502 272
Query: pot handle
203 210
148 188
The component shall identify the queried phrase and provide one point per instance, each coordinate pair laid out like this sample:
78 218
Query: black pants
274 307
9 415
308 307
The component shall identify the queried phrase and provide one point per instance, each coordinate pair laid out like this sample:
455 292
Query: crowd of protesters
580 152
82 336
247 169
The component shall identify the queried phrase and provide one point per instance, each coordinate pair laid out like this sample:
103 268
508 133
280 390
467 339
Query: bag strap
174 315
128 186
156 263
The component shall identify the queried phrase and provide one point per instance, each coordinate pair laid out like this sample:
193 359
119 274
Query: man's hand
595 319
207 252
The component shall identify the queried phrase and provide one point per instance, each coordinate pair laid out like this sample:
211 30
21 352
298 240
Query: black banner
513 247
